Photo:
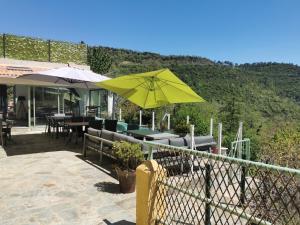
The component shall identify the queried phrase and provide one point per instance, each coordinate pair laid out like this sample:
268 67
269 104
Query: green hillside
265 96
269 89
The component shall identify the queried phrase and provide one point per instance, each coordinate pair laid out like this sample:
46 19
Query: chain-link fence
203 188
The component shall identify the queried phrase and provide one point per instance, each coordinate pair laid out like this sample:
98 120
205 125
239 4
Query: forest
265 96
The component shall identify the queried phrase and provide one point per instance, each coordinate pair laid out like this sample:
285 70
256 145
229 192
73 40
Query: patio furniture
133 126
3 132
77 128
122 127
161 136
152 89
111 125
66 77
96 124
141 134
102 141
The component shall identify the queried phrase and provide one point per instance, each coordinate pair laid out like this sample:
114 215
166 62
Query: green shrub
129 155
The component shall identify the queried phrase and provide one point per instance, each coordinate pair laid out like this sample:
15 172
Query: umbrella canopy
152 89
67 76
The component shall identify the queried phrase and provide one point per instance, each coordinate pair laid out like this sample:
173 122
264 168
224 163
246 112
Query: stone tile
43 181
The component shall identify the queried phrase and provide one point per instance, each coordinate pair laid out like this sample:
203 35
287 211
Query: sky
235 30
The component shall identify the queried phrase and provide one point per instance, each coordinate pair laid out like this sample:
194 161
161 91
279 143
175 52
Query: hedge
27 48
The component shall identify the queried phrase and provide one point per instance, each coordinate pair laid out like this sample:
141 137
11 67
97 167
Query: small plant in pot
129 156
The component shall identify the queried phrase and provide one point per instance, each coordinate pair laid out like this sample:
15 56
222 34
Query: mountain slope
268 90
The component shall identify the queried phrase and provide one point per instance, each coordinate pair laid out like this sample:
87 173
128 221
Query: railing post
243 182
148 191
207 193
49 51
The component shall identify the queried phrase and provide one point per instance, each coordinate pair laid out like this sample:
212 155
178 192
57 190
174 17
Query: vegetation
260 94
129 155
27 48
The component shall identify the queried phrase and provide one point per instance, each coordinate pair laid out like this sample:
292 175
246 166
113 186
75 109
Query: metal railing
223 190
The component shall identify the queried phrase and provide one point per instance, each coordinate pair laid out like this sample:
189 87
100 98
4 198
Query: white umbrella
67 76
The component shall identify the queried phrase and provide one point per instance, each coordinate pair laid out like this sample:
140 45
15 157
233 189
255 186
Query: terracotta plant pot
126 180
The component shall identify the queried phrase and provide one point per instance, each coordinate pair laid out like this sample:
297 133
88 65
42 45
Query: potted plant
129 156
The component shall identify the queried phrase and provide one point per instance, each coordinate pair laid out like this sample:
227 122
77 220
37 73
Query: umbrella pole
140 118
211 126
153 118
192 130
120 114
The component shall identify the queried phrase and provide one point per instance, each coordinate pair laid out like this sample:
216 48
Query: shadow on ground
39 143
121 222
108 187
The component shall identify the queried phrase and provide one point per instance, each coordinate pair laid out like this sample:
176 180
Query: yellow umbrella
152 89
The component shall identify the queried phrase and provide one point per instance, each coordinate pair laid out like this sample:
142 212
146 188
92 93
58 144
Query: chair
111 125
78 129
96 124
48 125
3 133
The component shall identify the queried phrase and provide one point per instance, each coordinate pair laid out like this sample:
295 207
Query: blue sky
235 30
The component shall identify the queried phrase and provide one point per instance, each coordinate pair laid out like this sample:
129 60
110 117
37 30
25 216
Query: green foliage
284 146
231 113
99 60
129 155
27 48
199 114
181 127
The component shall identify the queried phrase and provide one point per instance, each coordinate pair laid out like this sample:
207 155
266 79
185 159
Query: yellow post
147 175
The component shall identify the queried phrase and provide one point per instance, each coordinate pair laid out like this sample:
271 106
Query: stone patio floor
45 181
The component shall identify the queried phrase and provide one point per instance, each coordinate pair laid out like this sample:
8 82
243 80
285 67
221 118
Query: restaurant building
28 102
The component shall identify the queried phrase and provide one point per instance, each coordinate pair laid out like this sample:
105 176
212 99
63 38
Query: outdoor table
76 125
150 134
141 134
161 136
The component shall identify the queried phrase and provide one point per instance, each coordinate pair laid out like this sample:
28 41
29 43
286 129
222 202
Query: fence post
148 191
49 50
4 45
207 193
243 181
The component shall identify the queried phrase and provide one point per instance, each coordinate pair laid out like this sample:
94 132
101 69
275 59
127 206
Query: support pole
120 114
169 121
33 102
153 120
207 193
140 117
58 102
211 128
192 133
29 106
187 119
240 138
220 138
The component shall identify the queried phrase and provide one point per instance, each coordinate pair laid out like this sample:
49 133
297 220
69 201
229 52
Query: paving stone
47 182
